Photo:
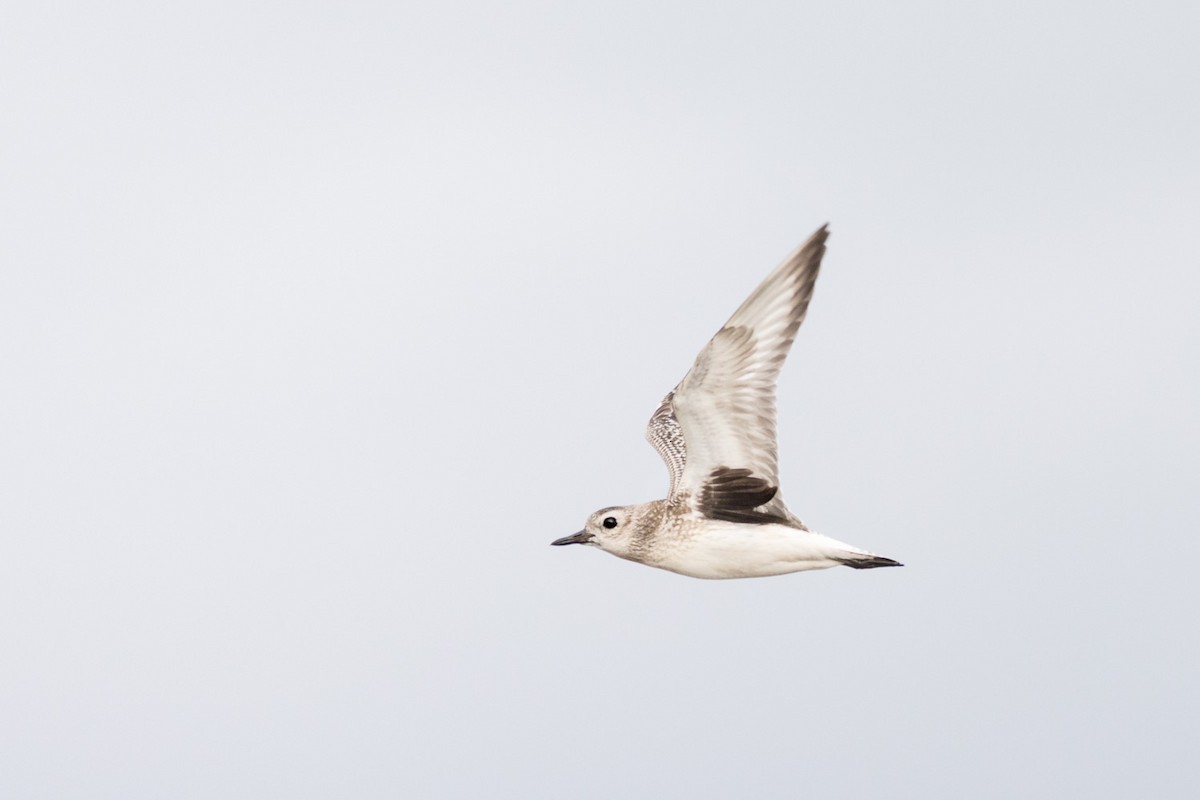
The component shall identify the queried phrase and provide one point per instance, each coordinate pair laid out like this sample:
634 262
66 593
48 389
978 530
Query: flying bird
724 516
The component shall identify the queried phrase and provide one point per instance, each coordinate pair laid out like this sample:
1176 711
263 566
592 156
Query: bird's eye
609 522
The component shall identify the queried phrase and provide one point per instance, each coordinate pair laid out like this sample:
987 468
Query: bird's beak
583 537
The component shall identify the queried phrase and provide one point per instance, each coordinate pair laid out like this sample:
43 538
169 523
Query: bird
724 516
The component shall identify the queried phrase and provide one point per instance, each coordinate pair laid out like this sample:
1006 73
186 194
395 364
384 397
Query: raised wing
716 429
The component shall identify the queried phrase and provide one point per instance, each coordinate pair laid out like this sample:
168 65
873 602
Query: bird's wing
716 429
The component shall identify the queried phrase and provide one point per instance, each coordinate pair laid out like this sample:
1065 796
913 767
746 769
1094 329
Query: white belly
736 550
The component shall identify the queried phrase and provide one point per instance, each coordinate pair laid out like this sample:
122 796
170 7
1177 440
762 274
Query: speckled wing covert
716 429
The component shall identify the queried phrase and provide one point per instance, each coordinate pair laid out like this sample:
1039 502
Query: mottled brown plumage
724 516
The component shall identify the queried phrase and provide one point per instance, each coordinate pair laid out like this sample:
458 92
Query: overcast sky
319 322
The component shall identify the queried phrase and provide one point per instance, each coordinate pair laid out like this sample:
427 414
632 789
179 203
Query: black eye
609 522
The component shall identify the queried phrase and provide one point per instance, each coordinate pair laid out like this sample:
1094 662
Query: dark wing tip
870 562
819 237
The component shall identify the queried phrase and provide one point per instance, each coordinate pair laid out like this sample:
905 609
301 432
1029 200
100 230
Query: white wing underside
716 429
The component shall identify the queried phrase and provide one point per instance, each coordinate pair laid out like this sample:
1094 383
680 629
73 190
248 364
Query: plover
724 516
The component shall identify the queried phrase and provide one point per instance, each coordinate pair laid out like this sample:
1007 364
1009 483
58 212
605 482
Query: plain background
319 321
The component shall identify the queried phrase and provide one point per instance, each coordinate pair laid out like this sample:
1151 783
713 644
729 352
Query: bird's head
609 529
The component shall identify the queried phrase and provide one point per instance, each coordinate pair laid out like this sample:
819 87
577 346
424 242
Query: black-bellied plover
724 516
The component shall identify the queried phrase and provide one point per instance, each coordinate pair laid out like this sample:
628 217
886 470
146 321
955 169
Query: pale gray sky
318 323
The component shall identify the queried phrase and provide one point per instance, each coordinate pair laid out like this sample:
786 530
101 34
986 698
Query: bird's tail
867 561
